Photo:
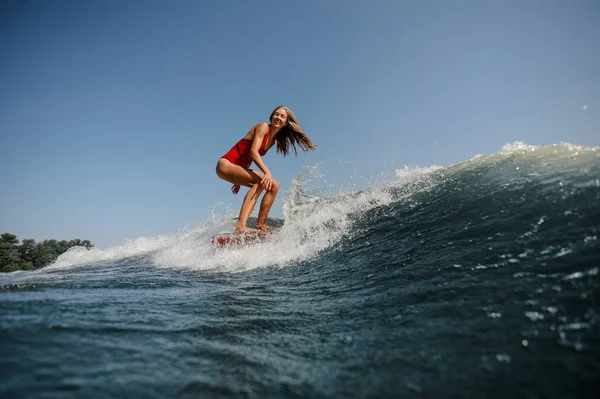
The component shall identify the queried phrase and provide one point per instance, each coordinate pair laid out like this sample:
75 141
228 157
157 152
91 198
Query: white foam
410 174
78 256
517 146
313 223
315 220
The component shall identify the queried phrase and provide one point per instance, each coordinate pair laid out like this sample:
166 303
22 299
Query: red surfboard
245 238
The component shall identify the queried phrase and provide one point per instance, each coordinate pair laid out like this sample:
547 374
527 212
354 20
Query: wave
316 220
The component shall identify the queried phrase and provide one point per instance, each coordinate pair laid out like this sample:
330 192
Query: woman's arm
260 131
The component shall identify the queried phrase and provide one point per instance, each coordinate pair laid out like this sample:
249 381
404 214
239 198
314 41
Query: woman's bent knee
221 166
274 186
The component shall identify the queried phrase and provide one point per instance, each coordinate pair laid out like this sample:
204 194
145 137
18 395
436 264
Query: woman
235 165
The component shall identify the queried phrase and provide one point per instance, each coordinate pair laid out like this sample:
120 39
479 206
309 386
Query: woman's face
279 118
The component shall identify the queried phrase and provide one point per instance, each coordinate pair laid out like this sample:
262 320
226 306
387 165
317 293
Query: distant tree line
29 255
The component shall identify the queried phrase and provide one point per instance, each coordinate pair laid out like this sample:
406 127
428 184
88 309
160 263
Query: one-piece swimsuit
240 152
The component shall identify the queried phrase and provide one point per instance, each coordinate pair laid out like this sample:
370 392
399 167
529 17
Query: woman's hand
267 181
235 189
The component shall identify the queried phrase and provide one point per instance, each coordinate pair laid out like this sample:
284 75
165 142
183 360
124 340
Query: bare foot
264 227
245 230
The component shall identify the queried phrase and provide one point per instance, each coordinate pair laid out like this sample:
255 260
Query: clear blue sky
113 114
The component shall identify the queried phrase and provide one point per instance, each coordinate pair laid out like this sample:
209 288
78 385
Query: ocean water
472 280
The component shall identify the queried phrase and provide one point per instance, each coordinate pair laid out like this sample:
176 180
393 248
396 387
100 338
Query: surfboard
238 239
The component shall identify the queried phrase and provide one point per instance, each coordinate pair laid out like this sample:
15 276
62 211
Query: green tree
9 255
30 255
27 250
46 253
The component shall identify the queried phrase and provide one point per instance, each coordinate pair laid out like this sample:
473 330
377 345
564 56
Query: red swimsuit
240 153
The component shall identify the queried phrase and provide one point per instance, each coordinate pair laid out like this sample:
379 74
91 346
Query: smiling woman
234 166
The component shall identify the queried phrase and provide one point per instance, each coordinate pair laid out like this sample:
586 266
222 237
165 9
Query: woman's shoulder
261 128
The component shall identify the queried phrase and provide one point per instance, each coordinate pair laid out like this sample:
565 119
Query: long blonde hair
292 134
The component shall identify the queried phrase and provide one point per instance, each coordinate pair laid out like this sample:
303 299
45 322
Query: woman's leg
250 178
247 207
236 174
265 206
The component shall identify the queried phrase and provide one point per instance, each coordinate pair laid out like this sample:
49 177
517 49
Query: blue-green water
474 280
